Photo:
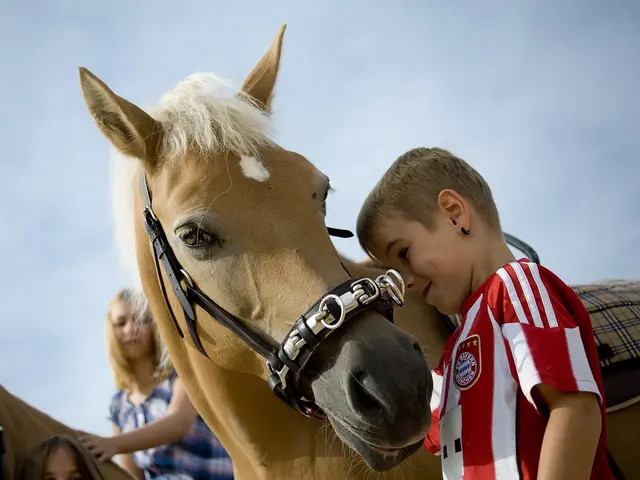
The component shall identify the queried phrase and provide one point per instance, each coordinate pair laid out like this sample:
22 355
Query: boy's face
435 263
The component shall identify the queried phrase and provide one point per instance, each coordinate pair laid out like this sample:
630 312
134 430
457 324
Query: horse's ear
260 82
131 130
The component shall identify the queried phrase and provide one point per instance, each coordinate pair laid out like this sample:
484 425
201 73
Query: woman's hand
103 448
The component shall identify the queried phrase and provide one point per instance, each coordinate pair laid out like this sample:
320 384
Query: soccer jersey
521 328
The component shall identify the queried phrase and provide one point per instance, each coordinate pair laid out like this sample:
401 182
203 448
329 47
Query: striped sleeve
544 340
432 440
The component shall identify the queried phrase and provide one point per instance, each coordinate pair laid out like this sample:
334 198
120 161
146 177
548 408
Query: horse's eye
195 237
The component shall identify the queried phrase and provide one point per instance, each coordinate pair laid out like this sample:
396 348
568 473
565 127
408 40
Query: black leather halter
286 360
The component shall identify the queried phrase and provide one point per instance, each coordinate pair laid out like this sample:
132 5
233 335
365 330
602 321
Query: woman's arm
126 461
180 417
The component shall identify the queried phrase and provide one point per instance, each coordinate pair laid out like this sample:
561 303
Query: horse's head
237 223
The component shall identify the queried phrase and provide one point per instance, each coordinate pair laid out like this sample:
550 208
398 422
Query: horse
24 427
292 359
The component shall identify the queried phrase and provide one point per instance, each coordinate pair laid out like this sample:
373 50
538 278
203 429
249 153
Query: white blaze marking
253 168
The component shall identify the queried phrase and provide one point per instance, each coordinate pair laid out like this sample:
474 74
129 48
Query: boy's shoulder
529 291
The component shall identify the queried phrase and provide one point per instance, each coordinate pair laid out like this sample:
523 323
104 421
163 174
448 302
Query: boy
521 392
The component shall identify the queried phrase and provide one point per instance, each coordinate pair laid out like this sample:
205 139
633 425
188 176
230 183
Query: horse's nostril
362 395
416 347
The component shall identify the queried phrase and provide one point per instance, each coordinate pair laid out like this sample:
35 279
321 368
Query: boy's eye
403 253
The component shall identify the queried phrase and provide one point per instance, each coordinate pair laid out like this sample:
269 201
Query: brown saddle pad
614 307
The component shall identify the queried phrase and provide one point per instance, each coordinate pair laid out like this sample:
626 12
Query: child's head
431 216
57 458
131 335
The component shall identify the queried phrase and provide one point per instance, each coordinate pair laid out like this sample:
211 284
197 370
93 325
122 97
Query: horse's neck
265 438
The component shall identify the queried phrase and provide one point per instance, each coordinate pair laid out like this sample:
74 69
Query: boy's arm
180 417
573 431
552 368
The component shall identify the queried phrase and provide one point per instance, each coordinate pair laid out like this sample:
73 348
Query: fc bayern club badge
467 367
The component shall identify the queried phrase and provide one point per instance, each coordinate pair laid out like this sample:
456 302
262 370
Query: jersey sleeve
432 440
543 338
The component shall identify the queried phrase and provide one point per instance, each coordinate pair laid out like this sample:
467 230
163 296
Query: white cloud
540 97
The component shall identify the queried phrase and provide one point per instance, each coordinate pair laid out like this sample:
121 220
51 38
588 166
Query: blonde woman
156 430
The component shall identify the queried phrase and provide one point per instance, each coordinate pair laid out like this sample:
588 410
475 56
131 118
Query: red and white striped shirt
521 328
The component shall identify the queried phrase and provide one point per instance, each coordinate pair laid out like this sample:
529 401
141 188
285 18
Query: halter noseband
286 360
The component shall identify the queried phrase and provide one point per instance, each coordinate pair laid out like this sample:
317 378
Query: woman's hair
120 366
34 464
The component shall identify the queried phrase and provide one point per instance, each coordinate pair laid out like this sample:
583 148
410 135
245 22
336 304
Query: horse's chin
377 458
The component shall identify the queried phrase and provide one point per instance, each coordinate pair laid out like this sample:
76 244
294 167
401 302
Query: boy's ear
455 208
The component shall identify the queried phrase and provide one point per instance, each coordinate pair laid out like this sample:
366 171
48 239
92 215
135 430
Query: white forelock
197 114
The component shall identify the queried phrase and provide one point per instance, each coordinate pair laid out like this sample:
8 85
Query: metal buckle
149 211
281 374
186 278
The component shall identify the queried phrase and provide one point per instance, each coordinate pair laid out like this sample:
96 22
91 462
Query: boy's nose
409 281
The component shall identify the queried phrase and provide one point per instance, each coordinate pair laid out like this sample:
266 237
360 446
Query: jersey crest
467 367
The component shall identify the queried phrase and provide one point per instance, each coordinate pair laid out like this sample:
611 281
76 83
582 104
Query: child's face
434 263
61 465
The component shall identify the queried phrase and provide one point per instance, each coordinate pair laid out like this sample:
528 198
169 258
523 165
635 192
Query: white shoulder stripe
513 295
528 294
580 363
546 301
527 372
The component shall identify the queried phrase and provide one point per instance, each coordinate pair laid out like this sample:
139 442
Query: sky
539 96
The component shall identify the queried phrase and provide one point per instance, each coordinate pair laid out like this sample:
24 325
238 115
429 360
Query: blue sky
540 96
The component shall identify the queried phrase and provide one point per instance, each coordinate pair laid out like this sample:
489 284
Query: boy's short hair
410 188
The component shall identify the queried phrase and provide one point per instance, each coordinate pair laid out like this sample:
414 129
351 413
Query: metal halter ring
396 274
323 306
186 277
387 283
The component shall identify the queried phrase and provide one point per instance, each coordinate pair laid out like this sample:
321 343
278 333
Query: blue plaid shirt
198 455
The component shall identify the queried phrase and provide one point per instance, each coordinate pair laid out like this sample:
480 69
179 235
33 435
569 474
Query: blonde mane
194 115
